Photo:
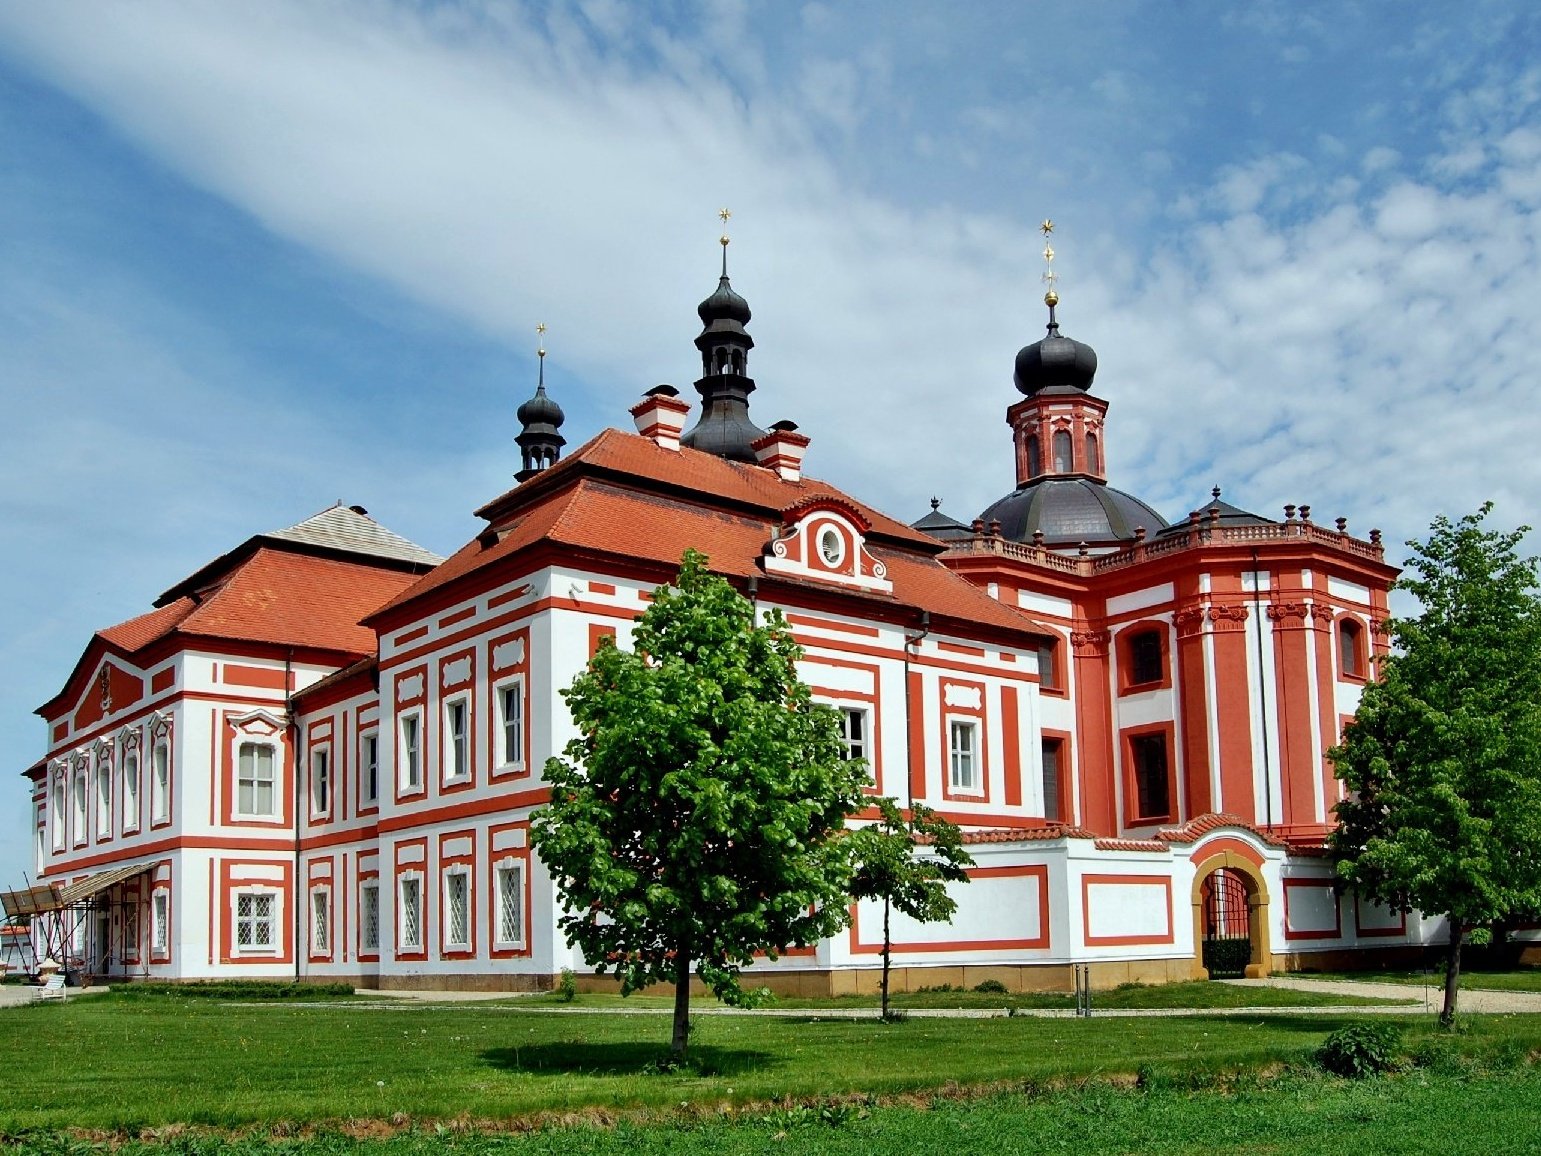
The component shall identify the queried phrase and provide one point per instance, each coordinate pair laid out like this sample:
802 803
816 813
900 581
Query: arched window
1351 649
1061 452
1034 457
1092 465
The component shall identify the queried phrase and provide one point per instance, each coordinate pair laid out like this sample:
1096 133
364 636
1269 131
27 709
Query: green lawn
130 1063
1514 979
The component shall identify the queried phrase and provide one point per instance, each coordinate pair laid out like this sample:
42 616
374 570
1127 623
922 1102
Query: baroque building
317 757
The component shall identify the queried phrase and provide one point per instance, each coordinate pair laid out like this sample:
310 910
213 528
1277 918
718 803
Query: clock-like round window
831 546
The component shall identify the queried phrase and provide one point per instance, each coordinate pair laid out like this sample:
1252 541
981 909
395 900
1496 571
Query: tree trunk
681 1006
1452 972
885 959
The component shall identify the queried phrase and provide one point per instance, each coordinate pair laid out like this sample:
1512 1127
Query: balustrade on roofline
1197 534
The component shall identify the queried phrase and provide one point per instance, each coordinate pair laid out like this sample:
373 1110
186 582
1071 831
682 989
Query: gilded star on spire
1050 277
1047 227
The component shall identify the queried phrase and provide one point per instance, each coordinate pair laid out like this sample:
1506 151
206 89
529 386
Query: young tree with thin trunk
887 867
694 821
1442 763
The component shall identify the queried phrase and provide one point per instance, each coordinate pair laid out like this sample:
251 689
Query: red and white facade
318 757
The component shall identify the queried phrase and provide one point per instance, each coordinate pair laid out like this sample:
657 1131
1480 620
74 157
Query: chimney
660 416
782 450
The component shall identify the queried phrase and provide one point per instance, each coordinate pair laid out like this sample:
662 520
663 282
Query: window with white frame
256 922
457 763
320 922
254 785
1053 805
160 923
320 781
80 806
40 847
369 768
131 790
963 754
511 723
457 909
103 798
408 753
410 920
853 731
160 782
510 884
369 917
57 815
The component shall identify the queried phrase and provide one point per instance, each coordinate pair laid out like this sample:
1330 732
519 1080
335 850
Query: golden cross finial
723 215
540 353
1050 277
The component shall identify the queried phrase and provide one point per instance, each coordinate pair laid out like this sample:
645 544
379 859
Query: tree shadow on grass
623 1059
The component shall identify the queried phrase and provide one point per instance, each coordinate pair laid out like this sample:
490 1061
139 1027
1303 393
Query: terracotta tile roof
137 633
363 666
1130 845
650 504
1196 828
1026 834
297 600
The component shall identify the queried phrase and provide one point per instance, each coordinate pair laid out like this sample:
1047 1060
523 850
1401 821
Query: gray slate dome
1229 515
1070 511
724 305
540 410
1056 362
940 525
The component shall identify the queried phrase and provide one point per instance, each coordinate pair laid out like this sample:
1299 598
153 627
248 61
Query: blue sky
256 258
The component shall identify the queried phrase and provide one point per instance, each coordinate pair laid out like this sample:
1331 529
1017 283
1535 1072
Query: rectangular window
254 780
369 769
256 921
131 791
411 773
57 818
1145 660
40 845
963 754
511 724
1152 790
510 881
411 919
1052 805
103 800
320 781
320 922
369 917
160 923
160 785
1047 679
80 806
457 909
853 732
457 762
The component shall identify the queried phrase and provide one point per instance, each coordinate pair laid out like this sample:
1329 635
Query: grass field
125 1064
1514 979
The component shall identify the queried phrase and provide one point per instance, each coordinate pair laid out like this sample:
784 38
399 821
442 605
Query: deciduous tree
1442 763
887 867
693 822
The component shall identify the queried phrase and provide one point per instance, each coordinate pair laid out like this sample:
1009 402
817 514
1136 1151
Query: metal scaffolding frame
59 919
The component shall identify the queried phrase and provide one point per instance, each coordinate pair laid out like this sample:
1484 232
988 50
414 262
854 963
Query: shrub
991 987
567 987
235 989
1360 1049
1227 958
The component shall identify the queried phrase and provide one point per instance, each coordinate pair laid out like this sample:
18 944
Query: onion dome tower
1062 487
540 419
724 428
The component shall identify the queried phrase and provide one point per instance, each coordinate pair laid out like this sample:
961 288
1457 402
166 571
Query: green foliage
567 986
693 821
1227 958
1442 763
991 987
1361 1049
235 989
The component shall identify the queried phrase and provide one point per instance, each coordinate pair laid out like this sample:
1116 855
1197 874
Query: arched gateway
1230 913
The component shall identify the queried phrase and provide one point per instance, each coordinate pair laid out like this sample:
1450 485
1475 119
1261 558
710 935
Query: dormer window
824 539
831 546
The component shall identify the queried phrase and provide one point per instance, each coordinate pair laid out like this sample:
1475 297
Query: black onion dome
1072 510
724 305
1056 361
540 410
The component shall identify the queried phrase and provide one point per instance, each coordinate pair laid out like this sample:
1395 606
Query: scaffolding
72 924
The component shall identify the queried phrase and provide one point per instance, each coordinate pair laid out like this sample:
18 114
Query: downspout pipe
293 727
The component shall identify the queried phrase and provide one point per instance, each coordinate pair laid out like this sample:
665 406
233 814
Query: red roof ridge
1200 825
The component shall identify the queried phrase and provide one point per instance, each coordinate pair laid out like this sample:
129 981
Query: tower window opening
1034 457
1062 457
1093 465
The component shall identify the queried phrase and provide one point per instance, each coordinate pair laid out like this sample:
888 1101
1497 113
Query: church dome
1055 362
724 305
540 410
1070 511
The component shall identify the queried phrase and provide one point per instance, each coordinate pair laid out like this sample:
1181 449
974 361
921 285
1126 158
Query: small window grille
511 904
